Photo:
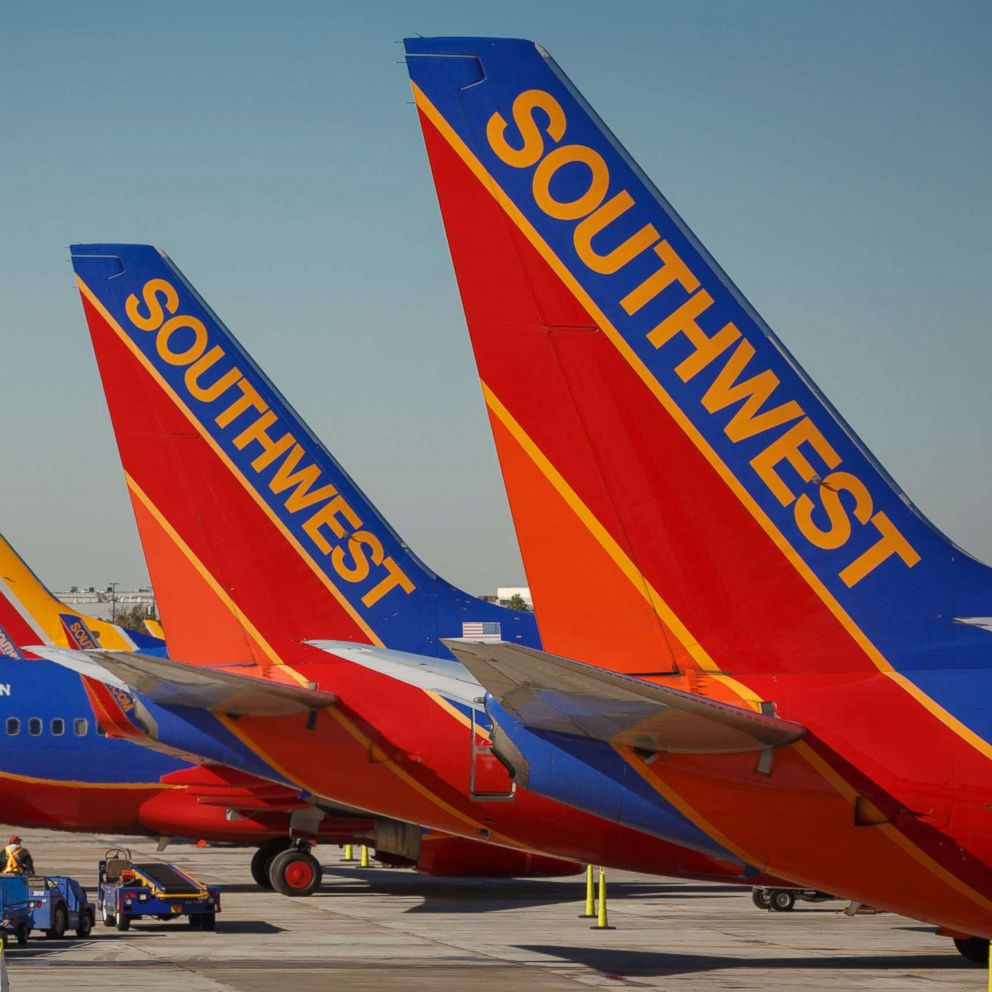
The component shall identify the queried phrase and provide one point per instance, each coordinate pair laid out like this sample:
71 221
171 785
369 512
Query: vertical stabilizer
255 537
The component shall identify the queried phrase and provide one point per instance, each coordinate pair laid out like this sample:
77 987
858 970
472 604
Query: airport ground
384 929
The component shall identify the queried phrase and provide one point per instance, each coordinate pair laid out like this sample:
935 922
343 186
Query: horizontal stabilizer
172 683
440 675
545 692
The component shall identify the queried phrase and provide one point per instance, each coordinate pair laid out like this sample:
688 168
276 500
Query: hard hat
14 839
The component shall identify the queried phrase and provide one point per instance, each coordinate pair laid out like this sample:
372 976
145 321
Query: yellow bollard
349 854
602 923
590 897
364 863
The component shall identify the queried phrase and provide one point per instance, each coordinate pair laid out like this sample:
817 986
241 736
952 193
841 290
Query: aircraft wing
545 692
440 675
172 683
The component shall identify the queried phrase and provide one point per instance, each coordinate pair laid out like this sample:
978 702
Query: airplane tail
685 497
30 614
255 537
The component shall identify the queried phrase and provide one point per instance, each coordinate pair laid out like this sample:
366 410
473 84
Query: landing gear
782 900
761 898
975 949
262 859
295 872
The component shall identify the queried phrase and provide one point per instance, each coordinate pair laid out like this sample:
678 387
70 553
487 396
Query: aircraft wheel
761 898
60 923
85 927
782 900
261 860
295 873
975 949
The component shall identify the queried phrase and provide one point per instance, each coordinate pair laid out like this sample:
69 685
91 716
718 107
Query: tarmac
376 929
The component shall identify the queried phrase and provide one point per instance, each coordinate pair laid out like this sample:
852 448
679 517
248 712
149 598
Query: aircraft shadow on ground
482 895
651 964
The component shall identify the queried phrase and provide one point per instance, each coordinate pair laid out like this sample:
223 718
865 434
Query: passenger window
13 726
80 726
57 726
34 727
100 730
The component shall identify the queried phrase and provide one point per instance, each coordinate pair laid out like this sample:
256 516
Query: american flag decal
488 630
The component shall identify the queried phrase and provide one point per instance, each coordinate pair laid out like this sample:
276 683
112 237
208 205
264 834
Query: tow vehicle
129 891
52 903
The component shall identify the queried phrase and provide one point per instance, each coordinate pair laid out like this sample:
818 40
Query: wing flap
546 692
172 683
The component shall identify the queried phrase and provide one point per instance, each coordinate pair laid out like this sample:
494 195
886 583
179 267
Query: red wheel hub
299 873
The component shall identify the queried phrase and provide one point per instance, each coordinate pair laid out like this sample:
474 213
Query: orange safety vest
18 861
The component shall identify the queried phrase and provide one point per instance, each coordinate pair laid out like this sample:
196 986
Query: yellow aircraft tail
51 620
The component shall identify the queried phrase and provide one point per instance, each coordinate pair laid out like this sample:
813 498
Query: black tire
85 927
60 923
109 919
21 933
782 900
761 898
261 860
975 949
123 923
209 922
194 921
295 873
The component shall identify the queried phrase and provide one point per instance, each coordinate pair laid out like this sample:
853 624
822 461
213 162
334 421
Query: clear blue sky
833 156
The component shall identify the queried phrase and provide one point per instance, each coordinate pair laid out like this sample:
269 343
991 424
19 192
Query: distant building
100 603
505 593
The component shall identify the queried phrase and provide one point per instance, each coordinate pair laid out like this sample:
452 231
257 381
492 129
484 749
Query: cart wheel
60 923
209 921
761 898
123 923
85 927
261 860
109 920
295 873
975 949
21 933
782 900
194 921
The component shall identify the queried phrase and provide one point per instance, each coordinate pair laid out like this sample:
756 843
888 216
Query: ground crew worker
19 860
